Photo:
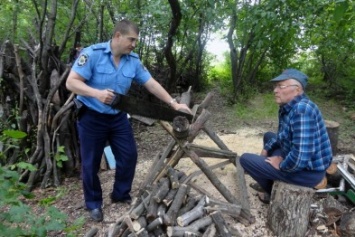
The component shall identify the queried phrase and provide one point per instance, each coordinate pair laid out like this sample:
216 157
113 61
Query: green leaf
15 134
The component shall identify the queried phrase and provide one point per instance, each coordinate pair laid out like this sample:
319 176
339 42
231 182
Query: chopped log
170 216
117 228
210 231
140 223
195 213
173 177
171 162
170 197
162 190
191 203
159 232
289 209
220 223
194 228
181 127
152 210
347 225
154 224
136 212
225 207
161 210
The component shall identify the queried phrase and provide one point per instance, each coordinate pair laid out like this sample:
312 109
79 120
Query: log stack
168 203
171 208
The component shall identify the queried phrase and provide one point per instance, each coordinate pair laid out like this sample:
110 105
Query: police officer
99 70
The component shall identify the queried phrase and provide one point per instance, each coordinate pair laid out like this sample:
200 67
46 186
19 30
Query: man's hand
181 107
274 161
105 96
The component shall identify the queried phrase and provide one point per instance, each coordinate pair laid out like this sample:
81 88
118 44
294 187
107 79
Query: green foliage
60 156
17 218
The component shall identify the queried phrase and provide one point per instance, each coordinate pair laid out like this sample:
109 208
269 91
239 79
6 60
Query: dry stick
170 216
117 229
193 214
162 190
153 205
210 231
173 177
170 163
220 223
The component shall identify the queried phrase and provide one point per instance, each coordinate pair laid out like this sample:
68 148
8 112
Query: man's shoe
127 201
97 215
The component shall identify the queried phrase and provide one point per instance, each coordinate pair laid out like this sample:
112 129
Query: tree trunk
288 212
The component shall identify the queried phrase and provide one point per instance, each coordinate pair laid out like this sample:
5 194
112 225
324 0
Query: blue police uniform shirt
96 65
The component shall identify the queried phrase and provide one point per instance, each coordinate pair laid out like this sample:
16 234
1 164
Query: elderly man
300 152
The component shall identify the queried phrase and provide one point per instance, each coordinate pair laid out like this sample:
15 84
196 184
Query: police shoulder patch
83 58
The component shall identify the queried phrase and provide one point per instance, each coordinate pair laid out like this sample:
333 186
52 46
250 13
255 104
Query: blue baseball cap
292 74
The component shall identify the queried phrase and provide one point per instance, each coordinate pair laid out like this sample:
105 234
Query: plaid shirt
302 137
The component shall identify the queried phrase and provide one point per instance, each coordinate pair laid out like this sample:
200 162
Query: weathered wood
190 203
181 127
140 223
203 151
171 162
193 214
157 163
242 193
198 125
154 224
117 228
220 223
205 103
209 131
192 229
173 177
333 133
170 197
162 190
170 216
152 210
136 212
210 231
289 209
224 207
186 97
161 209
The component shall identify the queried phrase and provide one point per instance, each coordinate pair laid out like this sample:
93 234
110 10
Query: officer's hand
105 96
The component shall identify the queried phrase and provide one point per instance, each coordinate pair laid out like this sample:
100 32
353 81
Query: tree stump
288 212
332 129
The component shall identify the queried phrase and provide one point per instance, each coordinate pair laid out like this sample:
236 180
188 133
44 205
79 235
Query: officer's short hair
125 26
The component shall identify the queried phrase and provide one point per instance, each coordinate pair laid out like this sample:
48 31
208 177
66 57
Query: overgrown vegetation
16 217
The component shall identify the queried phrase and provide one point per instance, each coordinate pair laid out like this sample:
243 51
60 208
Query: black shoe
97 215
127 201
256 187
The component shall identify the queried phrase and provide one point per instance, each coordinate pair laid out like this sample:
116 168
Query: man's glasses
282 86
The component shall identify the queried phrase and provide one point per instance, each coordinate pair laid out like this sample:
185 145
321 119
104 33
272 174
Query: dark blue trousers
95 130
265 174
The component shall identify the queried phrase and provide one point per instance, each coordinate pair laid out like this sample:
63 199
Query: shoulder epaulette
99 46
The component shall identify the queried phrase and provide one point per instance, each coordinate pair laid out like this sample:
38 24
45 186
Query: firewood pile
169 203
171 208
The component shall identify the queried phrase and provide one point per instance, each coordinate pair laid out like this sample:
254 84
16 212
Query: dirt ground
239 137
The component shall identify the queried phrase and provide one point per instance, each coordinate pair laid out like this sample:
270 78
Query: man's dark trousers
95 130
